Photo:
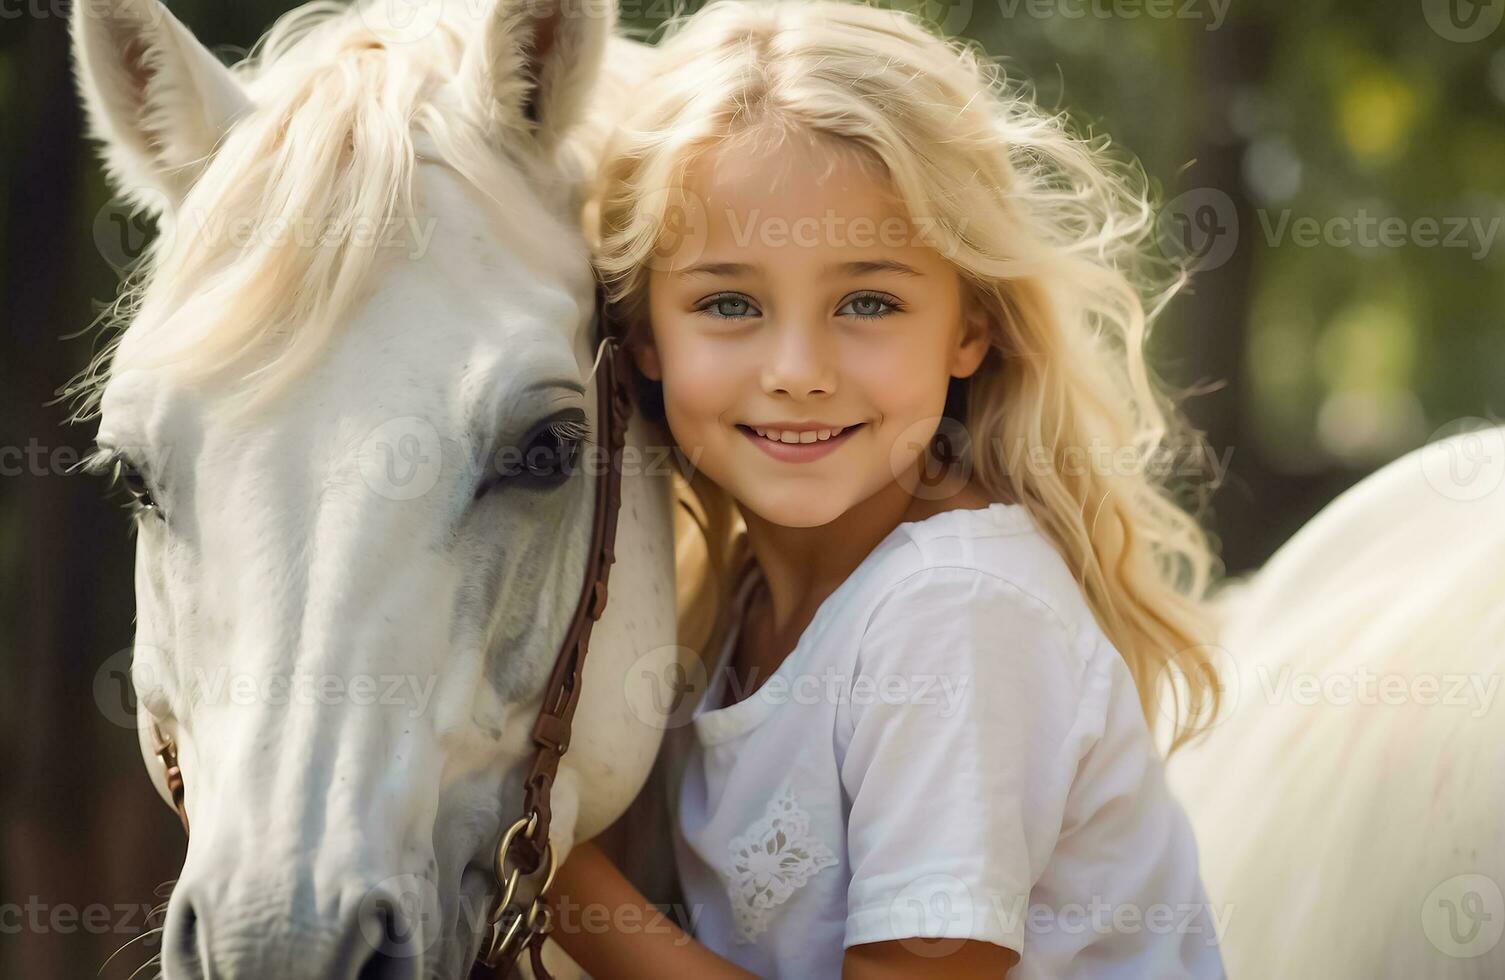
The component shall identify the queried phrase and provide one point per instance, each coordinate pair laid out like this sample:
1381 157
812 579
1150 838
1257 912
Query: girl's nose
801 360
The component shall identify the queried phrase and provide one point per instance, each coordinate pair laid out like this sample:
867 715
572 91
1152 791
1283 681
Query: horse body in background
1348 806
353 409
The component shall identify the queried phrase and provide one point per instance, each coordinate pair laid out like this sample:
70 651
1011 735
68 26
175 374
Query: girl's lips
800 452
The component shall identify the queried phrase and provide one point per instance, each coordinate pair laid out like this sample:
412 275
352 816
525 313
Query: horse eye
551 454
135 484
544 460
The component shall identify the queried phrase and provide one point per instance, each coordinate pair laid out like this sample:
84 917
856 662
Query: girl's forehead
797 179
803 203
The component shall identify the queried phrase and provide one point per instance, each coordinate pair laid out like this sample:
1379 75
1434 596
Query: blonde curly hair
1052 236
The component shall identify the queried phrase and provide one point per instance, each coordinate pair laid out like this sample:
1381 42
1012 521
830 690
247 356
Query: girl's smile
799 445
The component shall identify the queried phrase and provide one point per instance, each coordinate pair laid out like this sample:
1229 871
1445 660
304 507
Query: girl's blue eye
875 302
740 306
732 306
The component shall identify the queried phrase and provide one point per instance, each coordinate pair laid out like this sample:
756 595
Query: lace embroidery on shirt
775 856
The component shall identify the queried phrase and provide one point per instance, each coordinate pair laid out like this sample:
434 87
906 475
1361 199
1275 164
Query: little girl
890 314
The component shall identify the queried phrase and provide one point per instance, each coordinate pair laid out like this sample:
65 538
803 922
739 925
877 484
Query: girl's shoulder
965 591
996 554
983 598
985 591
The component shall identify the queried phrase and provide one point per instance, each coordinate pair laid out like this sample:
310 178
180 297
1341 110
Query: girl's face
798 295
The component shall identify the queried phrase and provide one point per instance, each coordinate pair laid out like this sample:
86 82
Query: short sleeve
966 730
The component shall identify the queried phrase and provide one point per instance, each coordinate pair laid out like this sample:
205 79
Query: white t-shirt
953 749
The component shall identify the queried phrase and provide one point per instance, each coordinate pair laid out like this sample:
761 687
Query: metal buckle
516 925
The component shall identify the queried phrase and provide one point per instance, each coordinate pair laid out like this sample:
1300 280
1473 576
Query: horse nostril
383 967
385 935
183 946
395 938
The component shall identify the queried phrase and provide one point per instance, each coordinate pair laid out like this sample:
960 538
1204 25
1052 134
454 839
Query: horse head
351 407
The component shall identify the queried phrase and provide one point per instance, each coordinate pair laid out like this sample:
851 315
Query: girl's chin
808 508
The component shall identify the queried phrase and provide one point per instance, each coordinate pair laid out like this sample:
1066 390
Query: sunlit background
1336 171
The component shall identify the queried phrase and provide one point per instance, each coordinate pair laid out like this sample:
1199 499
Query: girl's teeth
820 435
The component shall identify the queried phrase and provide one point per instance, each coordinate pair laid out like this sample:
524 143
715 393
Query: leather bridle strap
524 846
551 731
168 753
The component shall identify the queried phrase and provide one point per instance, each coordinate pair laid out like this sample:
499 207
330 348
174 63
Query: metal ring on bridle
508 880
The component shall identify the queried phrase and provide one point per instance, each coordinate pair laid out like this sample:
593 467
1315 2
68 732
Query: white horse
373 282
1349 806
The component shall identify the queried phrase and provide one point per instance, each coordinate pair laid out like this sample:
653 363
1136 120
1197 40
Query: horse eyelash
98 462
103 461
571 430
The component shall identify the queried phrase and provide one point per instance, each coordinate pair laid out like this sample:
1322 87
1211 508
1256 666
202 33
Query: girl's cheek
704 376
689 403
901 377
695 402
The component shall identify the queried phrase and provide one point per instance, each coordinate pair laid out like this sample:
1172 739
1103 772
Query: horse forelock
277 241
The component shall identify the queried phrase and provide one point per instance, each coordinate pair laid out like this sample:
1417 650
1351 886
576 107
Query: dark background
1320 358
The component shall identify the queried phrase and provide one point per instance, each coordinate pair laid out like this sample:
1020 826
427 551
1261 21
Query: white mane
307 194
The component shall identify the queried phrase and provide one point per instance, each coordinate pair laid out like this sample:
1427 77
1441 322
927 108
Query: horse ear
534 63
156 99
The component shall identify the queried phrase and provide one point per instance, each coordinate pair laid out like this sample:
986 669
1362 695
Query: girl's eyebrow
718 269
846 268
878 265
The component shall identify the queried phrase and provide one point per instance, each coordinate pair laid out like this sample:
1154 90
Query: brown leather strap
480 971
535 953
551 731
168 753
